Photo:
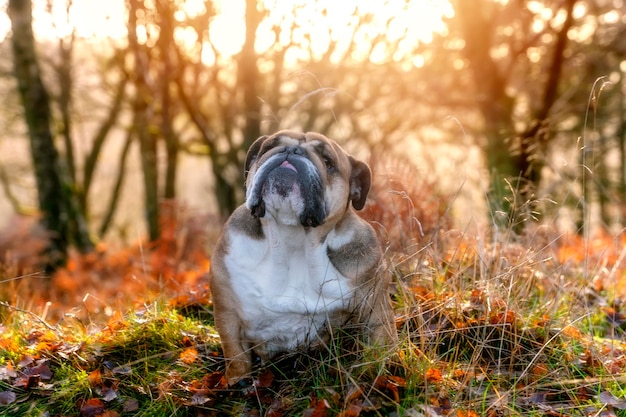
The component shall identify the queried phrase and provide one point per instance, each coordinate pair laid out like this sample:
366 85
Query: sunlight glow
227 29
317 24
89 18
312 25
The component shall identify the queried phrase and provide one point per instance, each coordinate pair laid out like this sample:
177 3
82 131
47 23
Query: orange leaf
353 410
390 384
460 374
572 332
353 393
319 408
215 380
540 369
433 375
109 413
93 407
117 322
95 378
503 317
9 345
468 413
189 355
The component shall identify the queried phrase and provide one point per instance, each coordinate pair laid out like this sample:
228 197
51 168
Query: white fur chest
286 286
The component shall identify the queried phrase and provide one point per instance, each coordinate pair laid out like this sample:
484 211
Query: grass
522 326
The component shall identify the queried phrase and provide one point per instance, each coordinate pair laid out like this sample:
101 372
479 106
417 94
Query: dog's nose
296 150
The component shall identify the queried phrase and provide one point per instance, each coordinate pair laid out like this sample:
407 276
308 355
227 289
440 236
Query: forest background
512 109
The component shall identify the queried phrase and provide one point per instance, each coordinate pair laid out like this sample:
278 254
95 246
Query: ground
495 324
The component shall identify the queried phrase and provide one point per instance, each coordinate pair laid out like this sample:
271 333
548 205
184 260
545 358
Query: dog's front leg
238 362
380 324
376 314
238 356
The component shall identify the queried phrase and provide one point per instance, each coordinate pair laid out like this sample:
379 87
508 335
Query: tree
509 72
293 82
498 38
65 70
518 75
56 202
226 149
142 112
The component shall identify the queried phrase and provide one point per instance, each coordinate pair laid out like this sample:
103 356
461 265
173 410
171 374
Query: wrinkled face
303 179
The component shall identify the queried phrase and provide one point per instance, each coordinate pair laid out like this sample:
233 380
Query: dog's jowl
295 260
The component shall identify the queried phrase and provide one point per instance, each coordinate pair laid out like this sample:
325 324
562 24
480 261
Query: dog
295 261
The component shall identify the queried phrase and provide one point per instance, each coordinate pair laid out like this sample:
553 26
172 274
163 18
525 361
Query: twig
30 313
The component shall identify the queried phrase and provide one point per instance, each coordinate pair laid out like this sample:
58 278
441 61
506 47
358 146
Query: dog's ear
253 151
360 183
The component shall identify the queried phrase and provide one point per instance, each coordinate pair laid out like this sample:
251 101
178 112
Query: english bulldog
295 261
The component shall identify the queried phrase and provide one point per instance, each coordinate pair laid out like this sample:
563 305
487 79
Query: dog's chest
287 288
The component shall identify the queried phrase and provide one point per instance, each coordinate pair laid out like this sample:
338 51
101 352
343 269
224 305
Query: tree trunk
95 153
248 75
117 188
514 160
495 106
225 192
143 113
36 103
621 138
64 78
165 44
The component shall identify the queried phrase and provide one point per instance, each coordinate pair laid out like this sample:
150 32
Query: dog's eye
329 163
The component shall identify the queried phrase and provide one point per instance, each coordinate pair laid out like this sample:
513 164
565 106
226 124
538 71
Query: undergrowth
497 325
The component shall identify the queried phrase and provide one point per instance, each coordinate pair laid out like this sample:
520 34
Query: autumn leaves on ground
490 324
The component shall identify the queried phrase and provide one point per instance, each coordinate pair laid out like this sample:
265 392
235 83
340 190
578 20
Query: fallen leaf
25 361
199 399
433 375
95 378
9 344
130 405
117 369
187 342
108 394
607 398
353 410
276 409
503 317
42 370
117 322
468 413
27 381
265 380
391 384
215 380
92 407
109 413
571 331
7 397
7 372
189 355
319 408
353 393
540 370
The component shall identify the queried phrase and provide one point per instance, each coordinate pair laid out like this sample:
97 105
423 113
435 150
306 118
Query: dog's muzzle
284 173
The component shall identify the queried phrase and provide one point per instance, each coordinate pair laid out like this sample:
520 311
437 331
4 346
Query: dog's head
303 179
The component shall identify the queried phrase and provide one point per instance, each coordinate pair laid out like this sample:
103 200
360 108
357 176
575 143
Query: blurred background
484 112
